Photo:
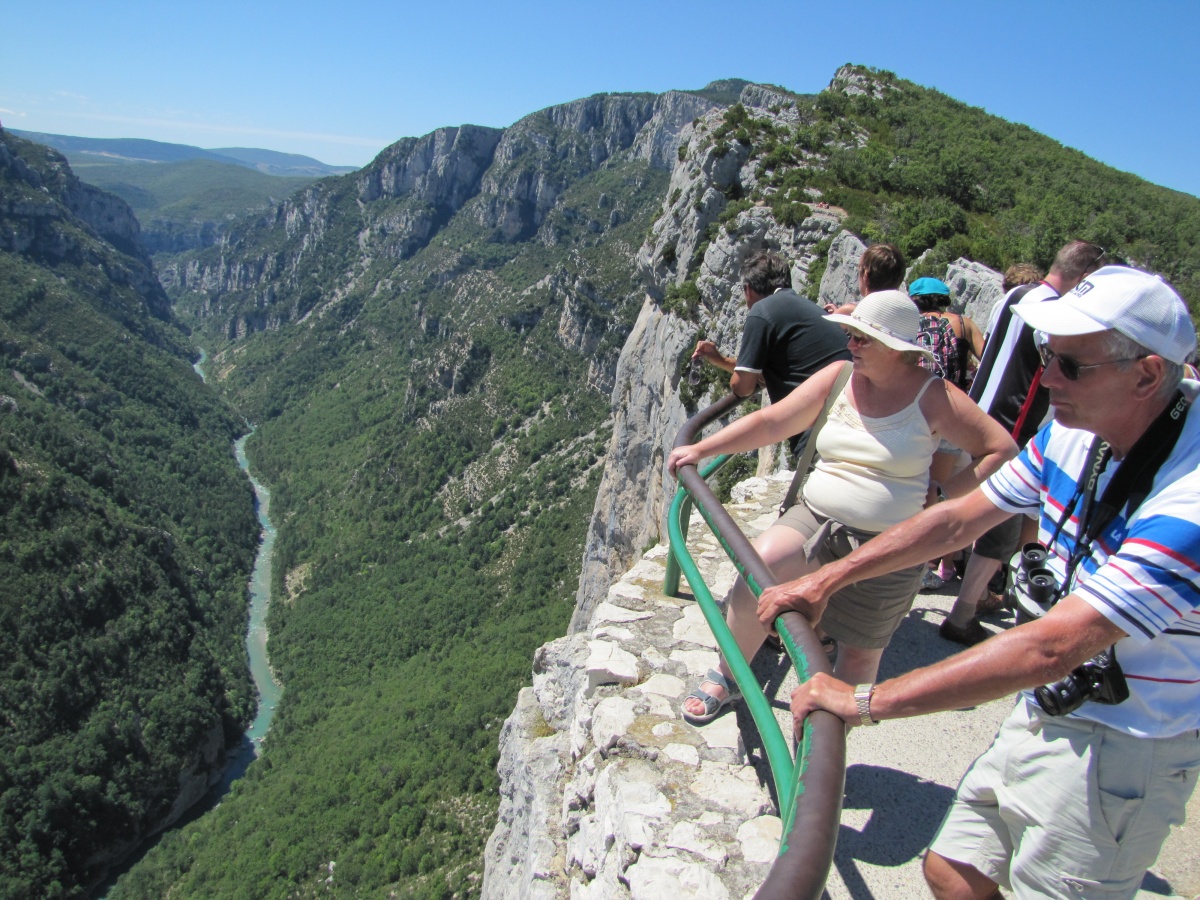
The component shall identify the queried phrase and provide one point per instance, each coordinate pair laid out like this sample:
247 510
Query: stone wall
605 791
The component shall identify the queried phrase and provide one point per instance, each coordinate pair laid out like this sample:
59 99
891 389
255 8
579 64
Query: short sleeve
1017 486
752 355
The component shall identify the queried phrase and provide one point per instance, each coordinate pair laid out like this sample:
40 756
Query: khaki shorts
867 613
1000 542
1062 807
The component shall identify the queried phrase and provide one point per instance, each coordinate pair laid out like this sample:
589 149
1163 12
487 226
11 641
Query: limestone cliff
647 409
51 216
504 182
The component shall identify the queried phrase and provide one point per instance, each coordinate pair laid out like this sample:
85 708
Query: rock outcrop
506 182
646 406
50 216
605 791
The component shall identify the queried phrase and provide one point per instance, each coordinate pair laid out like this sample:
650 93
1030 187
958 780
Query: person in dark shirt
1007 387
786 338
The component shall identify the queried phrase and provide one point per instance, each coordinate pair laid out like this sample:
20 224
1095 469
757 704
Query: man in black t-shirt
786 337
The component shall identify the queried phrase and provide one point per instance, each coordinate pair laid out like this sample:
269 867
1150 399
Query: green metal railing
810 787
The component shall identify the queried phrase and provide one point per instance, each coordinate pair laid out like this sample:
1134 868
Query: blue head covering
928 286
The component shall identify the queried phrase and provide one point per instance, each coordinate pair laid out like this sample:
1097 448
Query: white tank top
873 472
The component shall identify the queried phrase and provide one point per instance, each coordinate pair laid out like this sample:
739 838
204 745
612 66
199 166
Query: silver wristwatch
862 699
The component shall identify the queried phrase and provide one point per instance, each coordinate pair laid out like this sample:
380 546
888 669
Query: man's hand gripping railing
809 789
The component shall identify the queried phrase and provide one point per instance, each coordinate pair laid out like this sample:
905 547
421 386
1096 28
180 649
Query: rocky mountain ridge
505 181
52 216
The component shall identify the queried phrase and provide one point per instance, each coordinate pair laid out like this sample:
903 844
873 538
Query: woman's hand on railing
800 596
683 456
824 692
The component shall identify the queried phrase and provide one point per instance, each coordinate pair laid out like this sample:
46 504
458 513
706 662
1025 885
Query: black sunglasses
1072 367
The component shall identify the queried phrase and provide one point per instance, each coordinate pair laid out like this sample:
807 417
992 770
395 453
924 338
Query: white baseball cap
1139 305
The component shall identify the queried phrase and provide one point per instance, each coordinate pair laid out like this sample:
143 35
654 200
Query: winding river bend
268 688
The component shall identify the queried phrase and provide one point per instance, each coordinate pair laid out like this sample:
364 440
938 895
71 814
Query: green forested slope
126 534
922 170
188 204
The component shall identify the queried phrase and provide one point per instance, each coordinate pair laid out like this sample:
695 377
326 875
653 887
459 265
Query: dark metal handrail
810 788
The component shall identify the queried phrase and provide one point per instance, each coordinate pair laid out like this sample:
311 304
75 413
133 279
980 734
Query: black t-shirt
787 338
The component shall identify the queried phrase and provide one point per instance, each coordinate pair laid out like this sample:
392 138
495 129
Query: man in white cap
1084 779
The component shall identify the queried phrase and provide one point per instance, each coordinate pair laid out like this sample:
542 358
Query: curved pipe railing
809 788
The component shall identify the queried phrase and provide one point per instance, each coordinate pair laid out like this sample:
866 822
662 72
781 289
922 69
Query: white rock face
606 791
839 284
975 289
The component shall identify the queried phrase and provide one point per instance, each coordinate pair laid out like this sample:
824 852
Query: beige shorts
1062 807
867 613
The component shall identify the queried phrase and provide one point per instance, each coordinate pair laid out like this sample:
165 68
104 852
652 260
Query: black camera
1100 680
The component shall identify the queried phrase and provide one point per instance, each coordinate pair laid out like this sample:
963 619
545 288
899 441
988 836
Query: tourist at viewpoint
1098 758
876 446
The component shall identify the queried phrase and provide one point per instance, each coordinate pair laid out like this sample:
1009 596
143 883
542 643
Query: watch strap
862 699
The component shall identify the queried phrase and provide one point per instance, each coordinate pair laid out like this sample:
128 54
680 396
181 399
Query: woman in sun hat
875 449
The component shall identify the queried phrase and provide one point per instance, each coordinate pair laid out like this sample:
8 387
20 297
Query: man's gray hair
1118 346
766 272
1077 259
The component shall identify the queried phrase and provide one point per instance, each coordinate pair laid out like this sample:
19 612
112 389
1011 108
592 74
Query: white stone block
647 569
609 664
654 657
748 490
734 787
611 719
697 662
722 733
760 838
693 628
655 878
623 589
661 706
610 612
688 836
683 753
612 632
660 683
761 524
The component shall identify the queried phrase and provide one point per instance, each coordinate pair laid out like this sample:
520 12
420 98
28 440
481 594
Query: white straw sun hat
889 317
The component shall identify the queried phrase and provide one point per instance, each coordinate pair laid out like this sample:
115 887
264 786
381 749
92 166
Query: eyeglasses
1072 367
859 338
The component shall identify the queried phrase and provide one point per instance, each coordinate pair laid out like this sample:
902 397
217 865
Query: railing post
671 579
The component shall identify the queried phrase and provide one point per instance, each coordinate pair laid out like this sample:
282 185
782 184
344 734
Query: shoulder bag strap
810 446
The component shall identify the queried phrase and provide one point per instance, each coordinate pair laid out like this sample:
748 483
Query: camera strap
1129 486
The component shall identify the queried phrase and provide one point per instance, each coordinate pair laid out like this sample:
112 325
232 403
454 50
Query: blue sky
339 82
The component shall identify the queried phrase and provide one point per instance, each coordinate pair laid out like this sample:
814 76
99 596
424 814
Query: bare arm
930 534
974 336
1032 654
745 383
957 418
791 415
707 350
742 383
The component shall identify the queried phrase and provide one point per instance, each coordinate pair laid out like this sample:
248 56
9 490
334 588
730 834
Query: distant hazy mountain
82 152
